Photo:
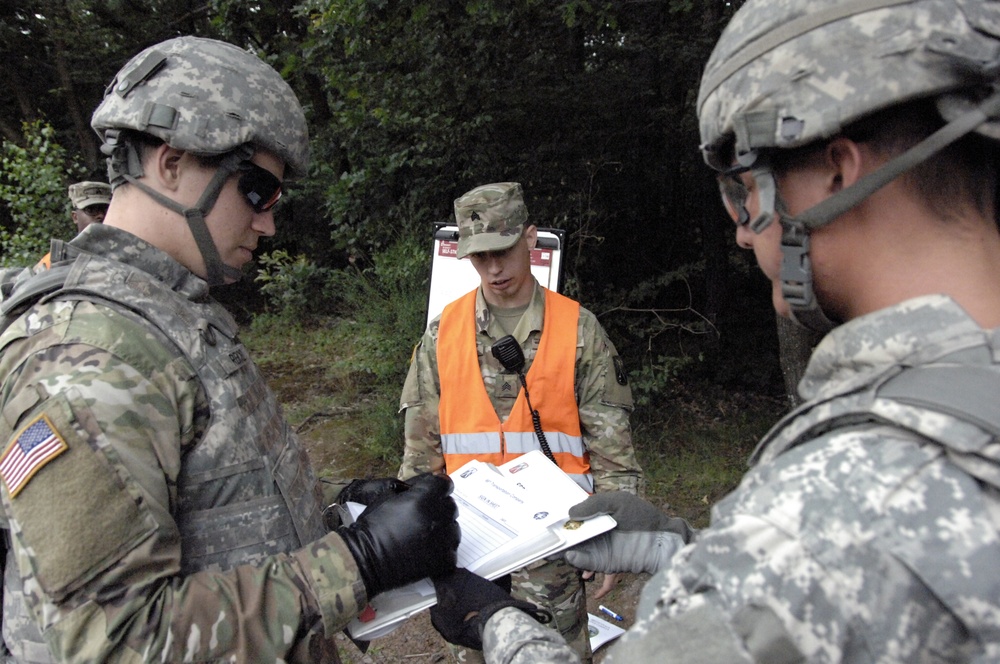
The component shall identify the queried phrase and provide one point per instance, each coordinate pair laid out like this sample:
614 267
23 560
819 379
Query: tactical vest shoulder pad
19 289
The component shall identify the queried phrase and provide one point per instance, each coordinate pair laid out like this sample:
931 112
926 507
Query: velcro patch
36 445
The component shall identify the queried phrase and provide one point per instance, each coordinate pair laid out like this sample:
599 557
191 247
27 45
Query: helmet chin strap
122 166
796 268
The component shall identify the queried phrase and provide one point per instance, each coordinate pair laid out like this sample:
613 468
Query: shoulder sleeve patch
32 448
81 513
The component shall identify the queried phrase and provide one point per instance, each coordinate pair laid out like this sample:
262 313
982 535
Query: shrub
33 182
386 302
294 287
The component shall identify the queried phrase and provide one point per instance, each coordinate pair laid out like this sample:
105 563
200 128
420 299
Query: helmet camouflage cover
207 97
786 73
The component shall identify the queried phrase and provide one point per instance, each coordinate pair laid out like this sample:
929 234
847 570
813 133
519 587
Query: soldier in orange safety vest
460 402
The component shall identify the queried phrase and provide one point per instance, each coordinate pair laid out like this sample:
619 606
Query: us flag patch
36 445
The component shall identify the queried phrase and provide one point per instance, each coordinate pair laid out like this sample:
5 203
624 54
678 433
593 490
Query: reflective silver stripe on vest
518 443
559 443
471 443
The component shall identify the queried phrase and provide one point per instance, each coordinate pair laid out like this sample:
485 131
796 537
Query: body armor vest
948 396
246 490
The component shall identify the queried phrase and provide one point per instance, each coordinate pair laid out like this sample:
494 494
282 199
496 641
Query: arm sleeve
419 401
513 637
605 403
97 544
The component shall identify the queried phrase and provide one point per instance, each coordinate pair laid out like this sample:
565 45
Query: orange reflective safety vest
470 426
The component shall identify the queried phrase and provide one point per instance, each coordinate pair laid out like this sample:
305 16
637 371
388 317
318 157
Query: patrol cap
491 217
85 194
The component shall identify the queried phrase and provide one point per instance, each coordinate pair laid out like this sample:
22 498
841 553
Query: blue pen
609 612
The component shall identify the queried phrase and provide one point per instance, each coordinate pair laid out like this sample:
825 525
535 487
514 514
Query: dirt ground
416 640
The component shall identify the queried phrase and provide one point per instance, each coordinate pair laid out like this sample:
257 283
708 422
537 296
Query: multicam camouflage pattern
491 217
785 73
207 97
172 528
604 405
854 538
85 194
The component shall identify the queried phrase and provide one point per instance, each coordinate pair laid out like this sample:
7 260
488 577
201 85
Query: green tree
57 56
590 105
33 181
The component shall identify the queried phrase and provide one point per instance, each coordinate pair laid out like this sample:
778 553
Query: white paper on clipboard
510 515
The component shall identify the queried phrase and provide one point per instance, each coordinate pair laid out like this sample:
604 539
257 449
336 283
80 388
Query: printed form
510 515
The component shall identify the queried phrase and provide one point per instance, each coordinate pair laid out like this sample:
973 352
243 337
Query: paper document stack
510 515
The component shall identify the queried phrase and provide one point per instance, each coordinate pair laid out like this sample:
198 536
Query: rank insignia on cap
36 445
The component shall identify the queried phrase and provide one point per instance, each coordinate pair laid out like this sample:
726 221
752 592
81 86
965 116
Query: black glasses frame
261 188
734 192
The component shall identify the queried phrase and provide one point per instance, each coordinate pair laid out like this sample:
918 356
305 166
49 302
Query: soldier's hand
644 540
466 601
406 537
371 492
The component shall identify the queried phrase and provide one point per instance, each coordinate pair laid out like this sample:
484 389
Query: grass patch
692 455
692 440
344 415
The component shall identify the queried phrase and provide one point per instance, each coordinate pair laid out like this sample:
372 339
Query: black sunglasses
735 193
260 187
98 209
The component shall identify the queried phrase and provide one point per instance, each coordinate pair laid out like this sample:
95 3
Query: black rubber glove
644 540
406 537
371 492
466 601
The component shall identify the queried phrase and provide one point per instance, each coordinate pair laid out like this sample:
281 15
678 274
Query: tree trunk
795 344
85 137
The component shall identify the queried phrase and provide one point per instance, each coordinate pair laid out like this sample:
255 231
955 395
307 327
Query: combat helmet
209 98
788 73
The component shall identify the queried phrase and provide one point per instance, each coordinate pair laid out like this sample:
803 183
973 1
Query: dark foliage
590 105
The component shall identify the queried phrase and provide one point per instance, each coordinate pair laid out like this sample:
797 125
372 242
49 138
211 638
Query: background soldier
856 148
90 203
157 505
462 404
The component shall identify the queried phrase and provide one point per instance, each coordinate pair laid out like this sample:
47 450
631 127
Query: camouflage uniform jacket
867 530
178 518
603 395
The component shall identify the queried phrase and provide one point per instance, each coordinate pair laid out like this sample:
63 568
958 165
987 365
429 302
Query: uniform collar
121 246
530 322
912 332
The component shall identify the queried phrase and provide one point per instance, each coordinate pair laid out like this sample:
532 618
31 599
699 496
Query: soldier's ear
166 164
531 235
846 163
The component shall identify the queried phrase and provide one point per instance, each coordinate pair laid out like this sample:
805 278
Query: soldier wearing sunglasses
90 203
855 143
156 505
